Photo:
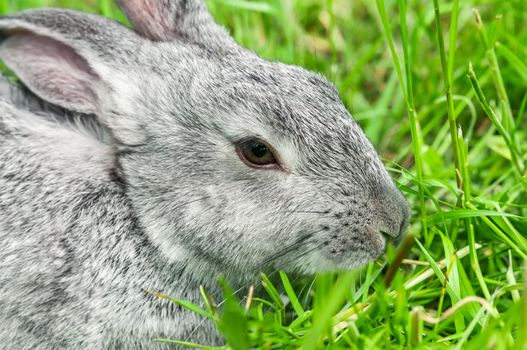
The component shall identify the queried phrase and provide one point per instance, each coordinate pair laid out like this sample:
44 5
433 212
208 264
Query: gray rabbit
159 159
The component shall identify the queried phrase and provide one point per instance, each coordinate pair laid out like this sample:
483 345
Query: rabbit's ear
52 70
58 55
164 20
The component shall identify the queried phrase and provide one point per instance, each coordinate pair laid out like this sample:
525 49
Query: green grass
441 90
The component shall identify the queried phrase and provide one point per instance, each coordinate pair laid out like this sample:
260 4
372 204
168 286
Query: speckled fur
145 190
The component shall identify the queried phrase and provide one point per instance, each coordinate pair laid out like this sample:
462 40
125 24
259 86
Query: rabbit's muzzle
365 224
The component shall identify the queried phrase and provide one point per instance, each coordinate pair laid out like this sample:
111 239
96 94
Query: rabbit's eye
256 153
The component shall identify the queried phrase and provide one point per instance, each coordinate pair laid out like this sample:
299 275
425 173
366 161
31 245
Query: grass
440 89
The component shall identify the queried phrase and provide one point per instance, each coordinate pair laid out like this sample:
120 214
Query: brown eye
256 153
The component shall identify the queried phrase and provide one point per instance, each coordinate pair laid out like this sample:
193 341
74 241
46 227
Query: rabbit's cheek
340 248
344 246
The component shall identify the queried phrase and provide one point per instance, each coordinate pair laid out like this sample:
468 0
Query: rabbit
159 158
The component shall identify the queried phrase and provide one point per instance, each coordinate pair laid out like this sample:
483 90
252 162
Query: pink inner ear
152 19
52 70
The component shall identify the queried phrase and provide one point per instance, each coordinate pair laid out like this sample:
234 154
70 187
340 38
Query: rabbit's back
74 263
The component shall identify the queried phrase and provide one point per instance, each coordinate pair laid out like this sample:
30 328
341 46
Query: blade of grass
186 304
407 91
291 295
324 316
447 78
515 153
522 336
515 62
186 344
508 120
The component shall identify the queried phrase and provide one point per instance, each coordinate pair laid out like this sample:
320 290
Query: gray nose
406 217
394 213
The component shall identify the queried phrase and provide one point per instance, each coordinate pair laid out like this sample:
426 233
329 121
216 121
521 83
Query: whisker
306 211
288 249
309 288
302 254
300 242
283 253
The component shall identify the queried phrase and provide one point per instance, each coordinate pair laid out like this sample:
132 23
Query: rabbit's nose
394 214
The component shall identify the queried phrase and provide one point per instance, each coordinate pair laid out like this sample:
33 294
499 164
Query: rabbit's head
230 161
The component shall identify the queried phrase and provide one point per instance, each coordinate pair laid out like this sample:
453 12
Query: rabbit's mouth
337 260
391 238
377 238
340 251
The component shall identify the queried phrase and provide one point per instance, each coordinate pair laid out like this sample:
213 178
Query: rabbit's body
74 261
158 160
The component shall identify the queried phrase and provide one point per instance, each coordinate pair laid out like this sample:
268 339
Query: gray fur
147 192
